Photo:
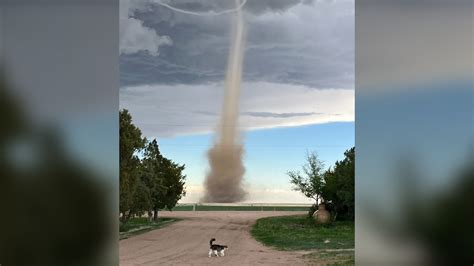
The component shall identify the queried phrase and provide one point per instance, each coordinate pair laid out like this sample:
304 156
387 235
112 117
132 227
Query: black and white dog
218 250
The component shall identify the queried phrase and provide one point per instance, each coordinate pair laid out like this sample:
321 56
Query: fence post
194 207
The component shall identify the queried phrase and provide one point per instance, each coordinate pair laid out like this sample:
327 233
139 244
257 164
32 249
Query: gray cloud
206 113
216 6
263 6
279 115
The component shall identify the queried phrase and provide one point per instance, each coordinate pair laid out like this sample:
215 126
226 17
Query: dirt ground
186 242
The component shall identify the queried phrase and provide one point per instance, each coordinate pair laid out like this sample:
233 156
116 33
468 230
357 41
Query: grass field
332 257
239 208
141 225
301 233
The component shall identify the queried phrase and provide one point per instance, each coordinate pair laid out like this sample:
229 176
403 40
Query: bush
330 208
123 227
312 210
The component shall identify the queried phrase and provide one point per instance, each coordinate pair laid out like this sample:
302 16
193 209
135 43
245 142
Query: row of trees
149 182
334 186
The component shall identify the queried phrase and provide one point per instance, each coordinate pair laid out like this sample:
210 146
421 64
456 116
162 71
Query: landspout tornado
224 181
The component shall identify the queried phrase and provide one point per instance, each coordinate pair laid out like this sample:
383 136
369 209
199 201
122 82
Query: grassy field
332 257
239 208
141 225
329 243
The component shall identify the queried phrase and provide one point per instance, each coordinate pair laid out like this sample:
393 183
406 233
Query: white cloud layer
134 36
170 110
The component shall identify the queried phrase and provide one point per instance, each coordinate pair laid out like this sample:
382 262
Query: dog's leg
222 253
215 253
210 253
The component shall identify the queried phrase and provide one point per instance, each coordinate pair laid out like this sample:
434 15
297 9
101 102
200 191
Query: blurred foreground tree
55 209
440 221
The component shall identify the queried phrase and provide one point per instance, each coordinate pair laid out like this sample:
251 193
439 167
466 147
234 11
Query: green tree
339 186
174 181
311 183
150 184
153 176
131 142
142 202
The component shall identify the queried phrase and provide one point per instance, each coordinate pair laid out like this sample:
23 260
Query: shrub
312 210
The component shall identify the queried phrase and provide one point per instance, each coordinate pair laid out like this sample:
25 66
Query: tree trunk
155 215
150 216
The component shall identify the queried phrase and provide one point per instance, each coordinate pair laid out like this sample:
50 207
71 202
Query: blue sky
269 154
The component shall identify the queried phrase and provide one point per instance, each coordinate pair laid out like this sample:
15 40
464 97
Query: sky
297 91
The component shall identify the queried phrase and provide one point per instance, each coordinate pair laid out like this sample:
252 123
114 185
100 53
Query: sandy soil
187 242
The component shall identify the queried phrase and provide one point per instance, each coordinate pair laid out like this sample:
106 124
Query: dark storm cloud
252 6
294 42
262 6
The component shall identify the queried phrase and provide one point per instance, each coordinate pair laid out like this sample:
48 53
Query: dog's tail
212 240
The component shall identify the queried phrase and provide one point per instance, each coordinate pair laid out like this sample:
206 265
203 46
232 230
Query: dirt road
187 242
